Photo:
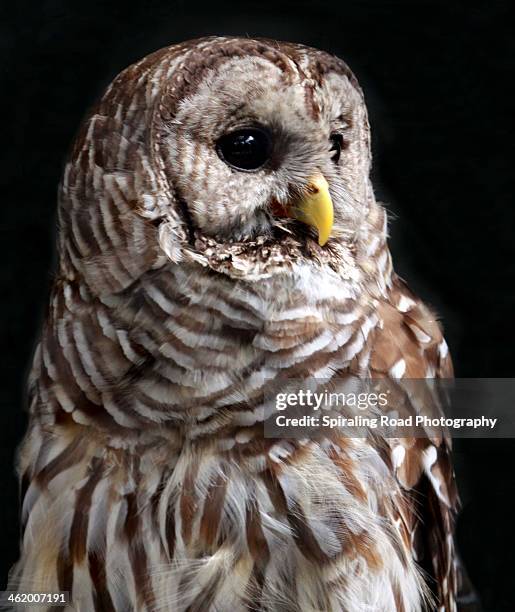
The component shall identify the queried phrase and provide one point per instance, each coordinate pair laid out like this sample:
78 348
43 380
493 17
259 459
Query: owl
219 234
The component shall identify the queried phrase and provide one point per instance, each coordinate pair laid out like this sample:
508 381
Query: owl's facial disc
258 156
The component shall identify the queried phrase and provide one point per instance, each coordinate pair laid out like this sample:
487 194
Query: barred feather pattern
147 481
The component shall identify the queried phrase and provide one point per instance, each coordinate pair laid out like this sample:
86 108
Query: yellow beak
315 207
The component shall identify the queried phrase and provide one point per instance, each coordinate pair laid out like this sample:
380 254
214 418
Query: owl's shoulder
409 341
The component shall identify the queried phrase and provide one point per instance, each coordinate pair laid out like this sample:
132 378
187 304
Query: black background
437 75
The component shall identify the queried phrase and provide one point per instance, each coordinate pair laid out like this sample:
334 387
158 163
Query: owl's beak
315 207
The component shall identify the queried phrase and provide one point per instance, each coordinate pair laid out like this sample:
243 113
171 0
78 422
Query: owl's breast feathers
149 479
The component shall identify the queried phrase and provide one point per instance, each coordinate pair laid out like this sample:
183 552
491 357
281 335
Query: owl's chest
205 347
219 328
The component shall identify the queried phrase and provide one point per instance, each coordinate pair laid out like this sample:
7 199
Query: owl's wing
409 346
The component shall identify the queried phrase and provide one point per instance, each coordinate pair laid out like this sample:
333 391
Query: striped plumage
148 484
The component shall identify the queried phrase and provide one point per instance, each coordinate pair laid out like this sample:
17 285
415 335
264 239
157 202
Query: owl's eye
336 146
247 149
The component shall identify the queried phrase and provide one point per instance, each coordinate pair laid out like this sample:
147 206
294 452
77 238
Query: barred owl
217 231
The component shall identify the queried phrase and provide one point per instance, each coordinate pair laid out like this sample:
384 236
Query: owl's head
238 154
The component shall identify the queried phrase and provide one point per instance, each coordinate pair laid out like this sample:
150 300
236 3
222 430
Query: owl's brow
198 61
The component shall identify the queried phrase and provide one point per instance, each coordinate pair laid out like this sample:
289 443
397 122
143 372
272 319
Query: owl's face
249 157
254 136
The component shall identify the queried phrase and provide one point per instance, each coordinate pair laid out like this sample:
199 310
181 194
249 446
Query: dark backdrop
437 76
